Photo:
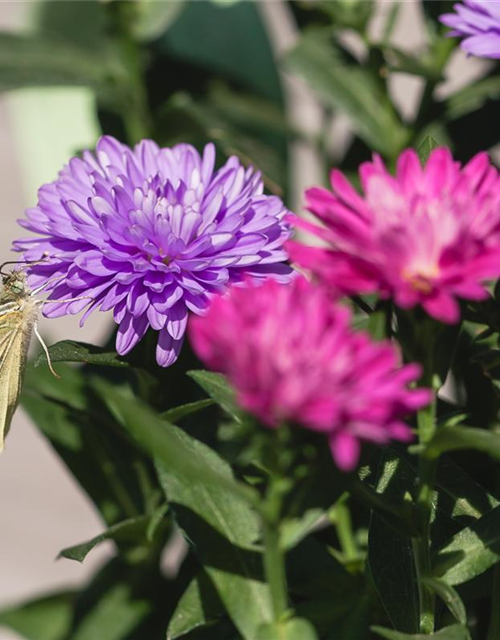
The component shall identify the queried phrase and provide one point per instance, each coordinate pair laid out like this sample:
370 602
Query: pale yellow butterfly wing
16 327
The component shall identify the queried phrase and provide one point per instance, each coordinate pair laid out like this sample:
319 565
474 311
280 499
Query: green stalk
341 517
426 421
134 107
271 512
274 568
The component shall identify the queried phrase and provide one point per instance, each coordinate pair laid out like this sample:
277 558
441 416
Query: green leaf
115 616
390 553
450 597
455 632
230 41
47 618
471 551
401 62
82 432
47 62
223 530
377 325
177 413
198 605
71 351
294 530
470 499
85 24
153 18
129 533
295 629
219 390
456 438
350 88
166 443
425 148
119 601
472 97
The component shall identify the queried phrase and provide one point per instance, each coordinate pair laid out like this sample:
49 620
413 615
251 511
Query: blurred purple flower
151 233
478 21
291 355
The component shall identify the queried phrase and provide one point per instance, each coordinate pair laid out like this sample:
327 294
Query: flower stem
426 421
341 517
427 475
135 112
274 567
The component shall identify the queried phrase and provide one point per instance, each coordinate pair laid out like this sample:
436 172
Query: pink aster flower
151 233
291 356
425 236
478 22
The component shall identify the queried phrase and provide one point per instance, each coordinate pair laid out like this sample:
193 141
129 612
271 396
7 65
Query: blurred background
216 52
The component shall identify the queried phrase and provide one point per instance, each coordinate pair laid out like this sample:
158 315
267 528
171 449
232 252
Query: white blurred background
41 508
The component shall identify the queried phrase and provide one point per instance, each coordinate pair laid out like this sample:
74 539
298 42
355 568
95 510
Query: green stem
134 109
427 476
426 421
274 567
342 520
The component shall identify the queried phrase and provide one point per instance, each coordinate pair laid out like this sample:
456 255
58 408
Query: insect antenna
28 263
47 354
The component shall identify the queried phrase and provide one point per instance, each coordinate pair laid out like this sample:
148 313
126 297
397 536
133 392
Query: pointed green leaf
198 605
71 351
471 551
132 532
177 413
425 148
219 390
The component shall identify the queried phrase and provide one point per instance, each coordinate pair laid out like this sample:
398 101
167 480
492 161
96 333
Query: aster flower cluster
291 355
151 233
478 22
425 236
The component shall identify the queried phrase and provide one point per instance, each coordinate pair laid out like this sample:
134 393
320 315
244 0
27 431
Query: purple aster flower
151 233
479 22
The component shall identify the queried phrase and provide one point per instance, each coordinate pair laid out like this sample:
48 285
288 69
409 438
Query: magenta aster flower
426 236
291 356
478 21
151 233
